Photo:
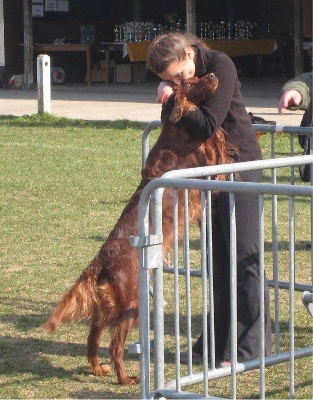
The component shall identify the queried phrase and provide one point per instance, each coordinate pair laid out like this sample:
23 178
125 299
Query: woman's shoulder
220 63
214 56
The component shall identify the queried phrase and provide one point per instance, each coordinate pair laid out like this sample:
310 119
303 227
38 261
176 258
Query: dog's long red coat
107 290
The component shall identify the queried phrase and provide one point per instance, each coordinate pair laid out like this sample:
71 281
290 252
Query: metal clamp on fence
152 249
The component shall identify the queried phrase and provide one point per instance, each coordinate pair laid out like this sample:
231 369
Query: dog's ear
177 111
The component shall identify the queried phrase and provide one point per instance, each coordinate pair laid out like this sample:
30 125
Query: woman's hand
290 98
165 89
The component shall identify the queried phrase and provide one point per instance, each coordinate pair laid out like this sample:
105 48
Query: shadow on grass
30 349
97 238
90 394
278 391
32 356
30 360
301 333
25 321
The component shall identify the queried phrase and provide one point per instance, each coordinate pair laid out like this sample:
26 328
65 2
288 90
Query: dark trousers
248 280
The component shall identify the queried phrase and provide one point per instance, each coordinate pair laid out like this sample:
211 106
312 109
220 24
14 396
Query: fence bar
158 303
186 270
291 296
261 294
204 290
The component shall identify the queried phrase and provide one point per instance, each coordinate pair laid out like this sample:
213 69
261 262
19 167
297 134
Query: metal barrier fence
289 202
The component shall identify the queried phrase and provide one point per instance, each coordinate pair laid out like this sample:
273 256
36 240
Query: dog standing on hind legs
107 290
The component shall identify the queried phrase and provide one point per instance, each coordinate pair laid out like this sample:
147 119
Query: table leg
88 56
107 65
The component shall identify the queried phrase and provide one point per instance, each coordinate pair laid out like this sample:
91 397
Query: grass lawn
64 183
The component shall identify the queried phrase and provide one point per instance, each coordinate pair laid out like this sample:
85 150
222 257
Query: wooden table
243 47
82 47
107 46
86 48
137 51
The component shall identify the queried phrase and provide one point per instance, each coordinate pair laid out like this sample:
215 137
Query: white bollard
43 83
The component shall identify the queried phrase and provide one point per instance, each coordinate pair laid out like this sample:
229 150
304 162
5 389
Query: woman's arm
289 99
165 89
209 117
302 85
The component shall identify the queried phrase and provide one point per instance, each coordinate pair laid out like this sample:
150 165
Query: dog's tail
79 303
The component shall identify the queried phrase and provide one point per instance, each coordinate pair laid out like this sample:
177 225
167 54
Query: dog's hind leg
93 344
118 337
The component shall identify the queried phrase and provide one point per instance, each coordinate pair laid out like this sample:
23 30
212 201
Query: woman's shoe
224 364
196 357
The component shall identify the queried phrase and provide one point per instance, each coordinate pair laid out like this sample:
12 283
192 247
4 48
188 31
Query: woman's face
179 71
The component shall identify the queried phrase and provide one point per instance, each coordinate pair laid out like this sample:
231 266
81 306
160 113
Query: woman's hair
168 48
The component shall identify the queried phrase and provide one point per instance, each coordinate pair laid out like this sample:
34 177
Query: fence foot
307 300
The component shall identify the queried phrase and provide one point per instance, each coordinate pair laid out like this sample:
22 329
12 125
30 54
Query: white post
43 83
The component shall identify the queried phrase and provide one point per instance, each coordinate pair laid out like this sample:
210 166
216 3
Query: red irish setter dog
107 290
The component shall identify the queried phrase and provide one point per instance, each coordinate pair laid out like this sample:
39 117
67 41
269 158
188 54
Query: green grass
64 183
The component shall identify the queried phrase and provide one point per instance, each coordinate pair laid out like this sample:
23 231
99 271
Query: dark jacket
303 84
224 109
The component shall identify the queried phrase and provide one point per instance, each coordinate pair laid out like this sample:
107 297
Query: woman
296 94
175 57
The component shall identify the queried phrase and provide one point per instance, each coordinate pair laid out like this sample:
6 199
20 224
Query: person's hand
164 91
290 98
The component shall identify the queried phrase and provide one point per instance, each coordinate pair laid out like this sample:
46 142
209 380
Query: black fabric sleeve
205 120
198 122
167 108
